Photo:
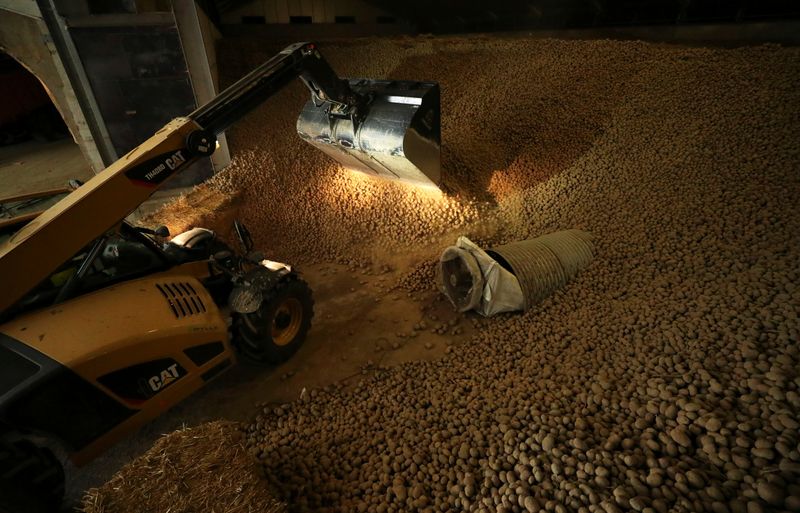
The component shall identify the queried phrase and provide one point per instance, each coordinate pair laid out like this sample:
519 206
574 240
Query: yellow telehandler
105 325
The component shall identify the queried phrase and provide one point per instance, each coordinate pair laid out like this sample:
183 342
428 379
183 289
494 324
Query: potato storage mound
205 468
664 378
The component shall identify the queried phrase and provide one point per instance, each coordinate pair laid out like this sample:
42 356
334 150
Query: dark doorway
26 111
37 151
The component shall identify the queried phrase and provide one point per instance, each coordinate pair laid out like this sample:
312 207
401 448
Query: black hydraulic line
246 94
73 281
301 60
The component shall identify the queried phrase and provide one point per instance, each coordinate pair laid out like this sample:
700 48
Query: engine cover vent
182 298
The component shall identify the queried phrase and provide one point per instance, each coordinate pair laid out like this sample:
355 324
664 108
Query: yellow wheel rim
286 321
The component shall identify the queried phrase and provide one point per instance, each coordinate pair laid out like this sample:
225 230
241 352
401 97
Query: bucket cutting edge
399 137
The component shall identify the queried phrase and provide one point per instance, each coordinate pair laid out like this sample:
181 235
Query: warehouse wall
210 36
140 79
198 36
25 38
298 11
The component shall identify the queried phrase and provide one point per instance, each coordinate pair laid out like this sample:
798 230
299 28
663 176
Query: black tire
278 328
31 477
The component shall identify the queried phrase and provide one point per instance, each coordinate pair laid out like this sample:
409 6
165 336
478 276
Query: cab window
113 258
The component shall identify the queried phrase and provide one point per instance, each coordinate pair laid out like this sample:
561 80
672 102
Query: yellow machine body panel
147 344
117 322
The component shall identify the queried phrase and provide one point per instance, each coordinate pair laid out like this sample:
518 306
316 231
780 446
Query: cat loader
105 325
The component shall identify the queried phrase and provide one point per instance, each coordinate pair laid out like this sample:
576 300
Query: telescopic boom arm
300 59
36 251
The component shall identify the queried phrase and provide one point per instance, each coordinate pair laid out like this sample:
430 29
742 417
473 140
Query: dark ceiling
449 16
472 15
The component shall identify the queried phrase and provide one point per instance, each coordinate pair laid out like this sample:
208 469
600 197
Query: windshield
115 257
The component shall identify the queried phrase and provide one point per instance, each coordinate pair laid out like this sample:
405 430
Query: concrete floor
33 166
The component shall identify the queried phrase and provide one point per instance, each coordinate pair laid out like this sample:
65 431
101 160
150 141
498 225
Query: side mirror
221 255
243 235
161 231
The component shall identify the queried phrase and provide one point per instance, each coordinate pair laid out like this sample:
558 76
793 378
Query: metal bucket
399 137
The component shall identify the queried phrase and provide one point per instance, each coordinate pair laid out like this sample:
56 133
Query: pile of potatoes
663 378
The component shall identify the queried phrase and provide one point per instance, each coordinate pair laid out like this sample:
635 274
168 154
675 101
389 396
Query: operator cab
125 254
117 256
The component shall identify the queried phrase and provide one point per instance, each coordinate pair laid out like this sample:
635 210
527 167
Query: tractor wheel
274 332
31 477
